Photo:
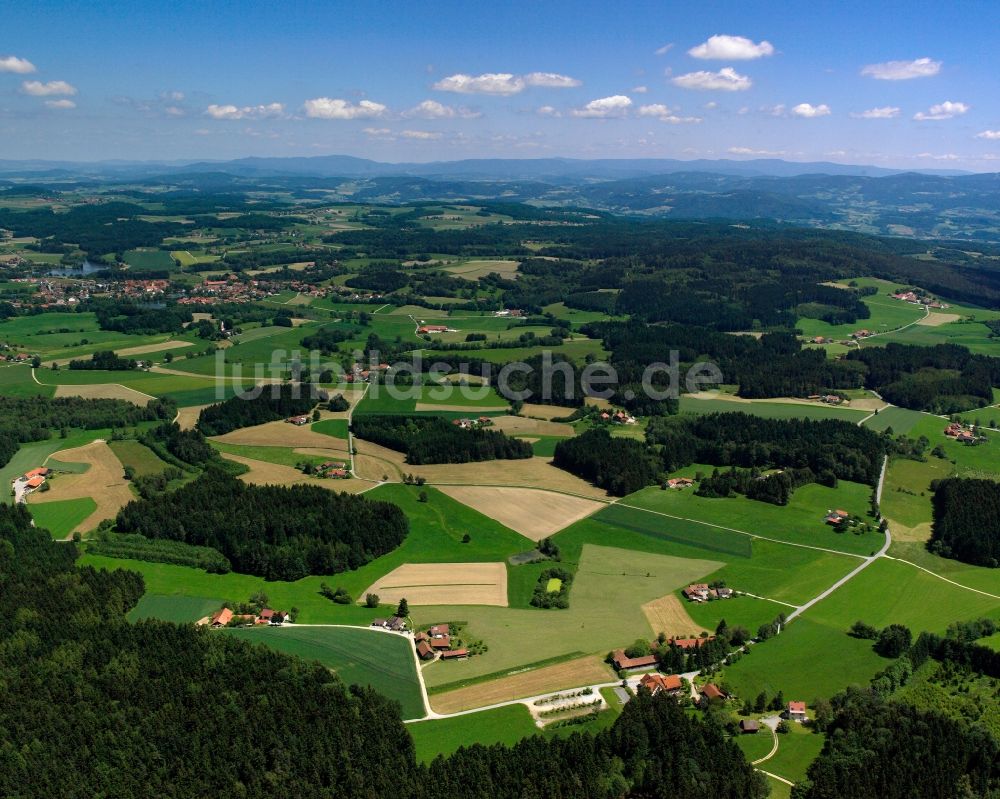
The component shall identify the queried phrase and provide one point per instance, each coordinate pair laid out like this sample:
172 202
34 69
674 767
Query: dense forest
806 450
127 317
106 360
160 710
431 439
267 403
967 521
279 533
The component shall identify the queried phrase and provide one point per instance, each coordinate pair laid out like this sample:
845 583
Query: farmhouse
690 643
438 630
424 651
697 592
441 642
221 617
864 333
959 433
41 471
454 654
396 624
432 329
796 711
837 516
712 691
622 662
749 726
657 683
680 482
33 483
298 421
421 636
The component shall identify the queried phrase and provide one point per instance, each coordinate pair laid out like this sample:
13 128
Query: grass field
814 656
473 270
335 428
149 259
770 410
358 656
901 420
15 381
174 608
62 517
36 453
140 457
800 522
503 725
797 749
906 496
605 612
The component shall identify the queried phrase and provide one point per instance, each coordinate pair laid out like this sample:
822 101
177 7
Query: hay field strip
105 391
533 513
668 615
444 584
569 674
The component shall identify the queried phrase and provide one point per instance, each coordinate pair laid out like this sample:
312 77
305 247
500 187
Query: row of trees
106 360
431 439
279 533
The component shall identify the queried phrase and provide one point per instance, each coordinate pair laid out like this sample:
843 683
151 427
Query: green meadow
771 410
503 725
174 608
359 657
61 516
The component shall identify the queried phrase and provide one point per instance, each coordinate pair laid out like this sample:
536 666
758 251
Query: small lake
86 268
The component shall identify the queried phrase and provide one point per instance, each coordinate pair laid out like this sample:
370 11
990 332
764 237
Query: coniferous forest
279 533
264 404
967 521
430 439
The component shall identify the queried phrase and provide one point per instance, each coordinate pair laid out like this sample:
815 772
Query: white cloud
60 104
38 89
882 112
640 89
502 83
774 110
751 151
20 66
726 79
945 110
605 107
665 49
665 114
174 111
550 80
710 105
731 48
328 108
902 70
377 131
268 111
174 96
419 134
992 135
432 109
809 111
944 157
548 111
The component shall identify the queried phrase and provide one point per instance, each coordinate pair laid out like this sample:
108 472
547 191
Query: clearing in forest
104 482
444 584
277 434
533 513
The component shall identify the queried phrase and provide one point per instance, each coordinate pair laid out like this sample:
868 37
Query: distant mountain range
926 204
472 169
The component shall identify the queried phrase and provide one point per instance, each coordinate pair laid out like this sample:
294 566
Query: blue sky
913 85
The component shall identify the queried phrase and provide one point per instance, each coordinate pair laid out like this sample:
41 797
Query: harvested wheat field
337 450
266 473
534 514
105 391
518 425
571 674
473 270
935 319
188 417
444 584
868 404
668 615
546 411
373 461
277 434
104 482
145 349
